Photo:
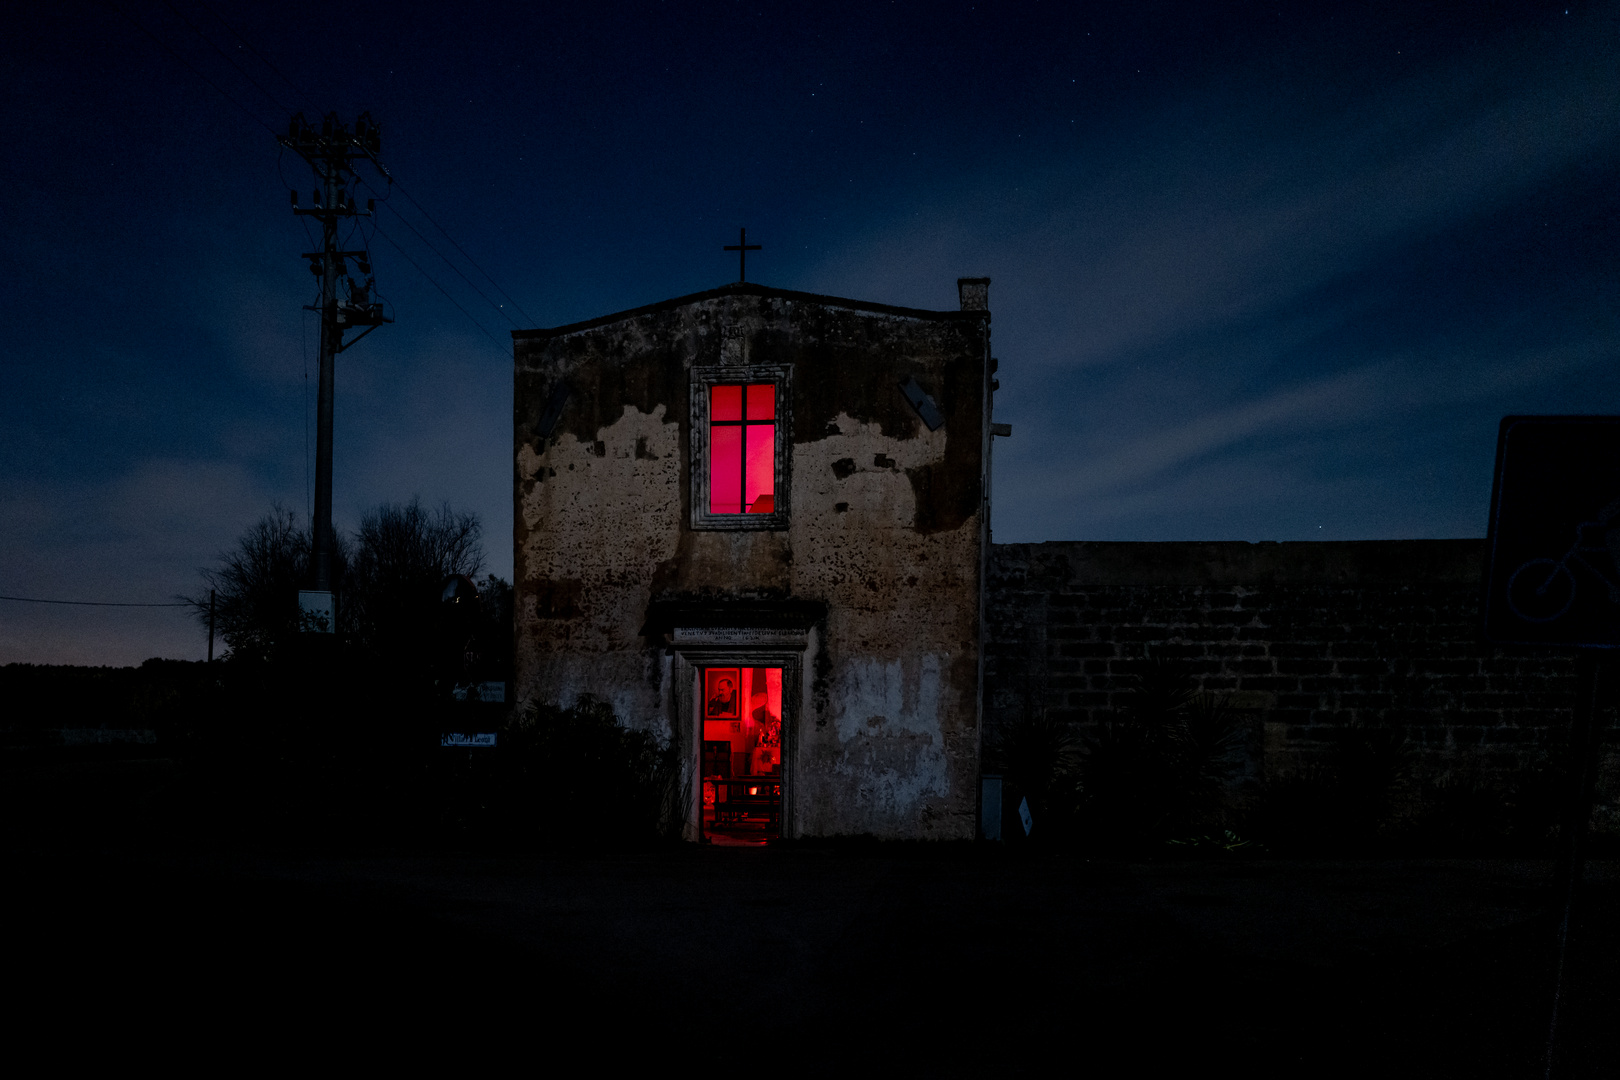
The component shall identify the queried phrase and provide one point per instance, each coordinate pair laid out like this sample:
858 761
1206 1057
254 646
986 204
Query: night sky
1259 274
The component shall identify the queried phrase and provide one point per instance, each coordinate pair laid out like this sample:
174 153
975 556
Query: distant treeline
42 697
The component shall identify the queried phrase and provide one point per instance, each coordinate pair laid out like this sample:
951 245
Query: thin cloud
1336 399
1274 458
1219 223
1198 324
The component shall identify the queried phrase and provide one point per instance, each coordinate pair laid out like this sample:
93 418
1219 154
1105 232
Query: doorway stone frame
746 647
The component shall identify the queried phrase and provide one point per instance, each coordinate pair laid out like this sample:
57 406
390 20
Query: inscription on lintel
739 635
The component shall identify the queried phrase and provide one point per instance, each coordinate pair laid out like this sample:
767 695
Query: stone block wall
1305 637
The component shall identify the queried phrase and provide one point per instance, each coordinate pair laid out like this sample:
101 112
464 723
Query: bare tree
255 587
403 553
388 581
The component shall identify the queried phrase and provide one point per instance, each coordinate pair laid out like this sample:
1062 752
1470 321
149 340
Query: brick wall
1304 636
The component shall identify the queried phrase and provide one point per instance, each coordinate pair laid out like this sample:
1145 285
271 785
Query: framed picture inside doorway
722 693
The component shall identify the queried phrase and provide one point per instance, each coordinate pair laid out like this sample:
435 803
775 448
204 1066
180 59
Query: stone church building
756 522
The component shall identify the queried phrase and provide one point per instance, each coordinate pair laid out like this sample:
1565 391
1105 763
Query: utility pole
331 150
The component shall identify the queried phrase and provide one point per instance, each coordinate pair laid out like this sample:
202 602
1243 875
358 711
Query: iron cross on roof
742 247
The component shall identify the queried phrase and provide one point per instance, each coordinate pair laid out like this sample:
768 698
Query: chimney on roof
975 293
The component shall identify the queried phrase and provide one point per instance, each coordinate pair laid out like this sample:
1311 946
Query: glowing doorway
742 754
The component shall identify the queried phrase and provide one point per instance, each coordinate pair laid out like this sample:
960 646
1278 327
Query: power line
256 119
226 57
296 89
463 251
87 603
498 309
502 348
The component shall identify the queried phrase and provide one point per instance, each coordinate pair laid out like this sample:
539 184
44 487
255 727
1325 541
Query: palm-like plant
1158 766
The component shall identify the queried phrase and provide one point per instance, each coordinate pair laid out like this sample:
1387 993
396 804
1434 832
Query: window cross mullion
742 417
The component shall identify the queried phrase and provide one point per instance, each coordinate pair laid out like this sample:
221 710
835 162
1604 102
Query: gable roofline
749 288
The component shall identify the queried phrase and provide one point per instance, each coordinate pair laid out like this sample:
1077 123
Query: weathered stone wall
1304 636
883 539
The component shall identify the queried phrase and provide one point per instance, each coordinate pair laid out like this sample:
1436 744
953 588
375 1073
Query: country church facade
756 523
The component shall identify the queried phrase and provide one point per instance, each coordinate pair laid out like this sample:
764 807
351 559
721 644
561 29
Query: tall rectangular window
742 455
741 438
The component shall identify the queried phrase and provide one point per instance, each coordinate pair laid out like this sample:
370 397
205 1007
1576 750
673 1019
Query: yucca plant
1158 765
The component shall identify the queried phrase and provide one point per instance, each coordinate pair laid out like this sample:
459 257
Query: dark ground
133 945
950 959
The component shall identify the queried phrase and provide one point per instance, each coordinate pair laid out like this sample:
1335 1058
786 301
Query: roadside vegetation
313 740
1174 773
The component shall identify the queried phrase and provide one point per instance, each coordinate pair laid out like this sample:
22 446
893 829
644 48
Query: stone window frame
780 376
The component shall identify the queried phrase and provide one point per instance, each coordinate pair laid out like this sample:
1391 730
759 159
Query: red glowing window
742 449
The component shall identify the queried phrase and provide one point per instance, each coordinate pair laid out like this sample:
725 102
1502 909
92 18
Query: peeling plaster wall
886 529
591 601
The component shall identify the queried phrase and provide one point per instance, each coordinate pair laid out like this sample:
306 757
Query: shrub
1460 813
1466 811
1341 805
1299 812
577 775
1158 767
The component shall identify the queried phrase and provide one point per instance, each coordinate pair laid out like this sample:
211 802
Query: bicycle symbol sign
1553 576
1544 589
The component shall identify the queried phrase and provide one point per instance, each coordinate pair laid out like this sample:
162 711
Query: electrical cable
218 89
498 309
469 258
376 293
296 89
88 603
395 183
442 289
383 196
282 174
226 56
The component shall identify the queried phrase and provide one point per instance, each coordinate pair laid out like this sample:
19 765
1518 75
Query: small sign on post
486 738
